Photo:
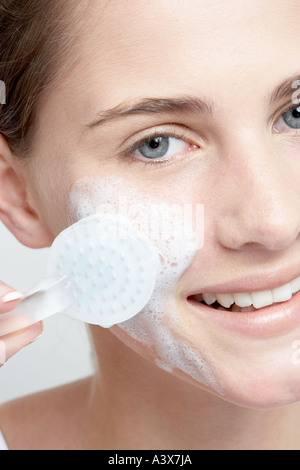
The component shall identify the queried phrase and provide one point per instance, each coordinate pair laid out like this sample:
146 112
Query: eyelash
282 112
164 161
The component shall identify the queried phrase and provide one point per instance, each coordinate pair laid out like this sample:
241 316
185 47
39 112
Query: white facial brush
100 271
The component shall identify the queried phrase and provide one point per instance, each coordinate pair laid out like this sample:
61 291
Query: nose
261 203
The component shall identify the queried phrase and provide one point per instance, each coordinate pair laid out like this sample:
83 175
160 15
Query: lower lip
273 320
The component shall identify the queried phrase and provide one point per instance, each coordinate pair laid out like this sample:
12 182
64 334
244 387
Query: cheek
51 186
176 231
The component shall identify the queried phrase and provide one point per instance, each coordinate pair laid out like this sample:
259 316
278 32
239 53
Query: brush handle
46 298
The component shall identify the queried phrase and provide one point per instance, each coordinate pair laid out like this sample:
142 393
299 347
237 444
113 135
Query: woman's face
221 143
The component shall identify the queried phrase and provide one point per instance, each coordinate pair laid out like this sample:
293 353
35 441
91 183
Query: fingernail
11 296
2 353
41 325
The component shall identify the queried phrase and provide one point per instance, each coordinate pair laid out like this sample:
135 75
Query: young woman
167 103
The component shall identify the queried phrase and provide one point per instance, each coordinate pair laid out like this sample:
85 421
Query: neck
136 405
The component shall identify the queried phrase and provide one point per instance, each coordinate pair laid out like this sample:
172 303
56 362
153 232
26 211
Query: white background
62 354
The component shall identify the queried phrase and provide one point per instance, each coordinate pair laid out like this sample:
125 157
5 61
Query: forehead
137 41
225 50
137 27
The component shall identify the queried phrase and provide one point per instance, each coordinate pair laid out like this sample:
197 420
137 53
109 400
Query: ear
16 212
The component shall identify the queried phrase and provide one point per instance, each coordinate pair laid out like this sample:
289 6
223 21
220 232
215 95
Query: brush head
110 268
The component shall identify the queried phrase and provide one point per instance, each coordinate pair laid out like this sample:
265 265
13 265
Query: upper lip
252 282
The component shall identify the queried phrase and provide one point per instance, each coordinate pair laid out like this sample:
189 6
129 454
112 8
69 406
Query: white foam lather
100 270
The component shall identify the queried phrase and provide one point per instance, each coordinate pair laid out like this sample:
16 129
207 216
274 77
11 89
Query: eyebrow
185 103
148 106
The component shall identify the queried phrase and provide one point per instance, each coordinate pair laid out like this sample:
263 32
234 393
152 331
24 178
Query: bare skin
242 163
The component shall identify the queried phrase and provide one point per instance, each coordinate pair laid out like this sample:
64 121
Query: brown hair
33 42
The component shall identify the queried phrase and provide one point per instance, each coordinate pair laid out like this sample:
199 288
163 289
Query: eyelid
161 128
283 110
280 116
138 143
159 131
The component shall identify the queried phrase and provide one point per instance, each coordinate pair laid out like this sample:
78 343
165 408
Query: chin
257 374
263 390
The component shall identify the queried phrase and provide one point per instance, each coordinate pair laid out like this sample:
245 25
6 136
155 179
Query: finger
12 343
9 298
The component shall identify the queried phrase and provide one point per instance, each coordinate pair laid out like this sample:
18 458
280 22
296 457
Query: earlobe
16 212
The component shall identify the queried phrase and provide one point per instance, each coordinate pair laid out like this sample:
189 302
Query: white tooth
282 293
295 285
242 299
262 298
226 300
209 298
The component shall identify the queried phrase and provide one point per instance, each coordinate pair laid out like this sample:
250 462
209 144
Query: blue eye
160 146
156 147
292 117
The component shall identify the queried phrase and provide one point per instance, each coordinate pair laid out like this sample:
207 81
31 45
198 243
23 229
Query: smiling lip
273 320
252 283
